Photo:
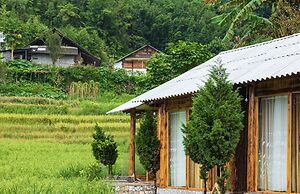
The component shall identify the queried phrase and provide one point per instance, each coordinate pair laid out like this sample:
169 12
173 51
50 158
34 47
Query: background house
267 157
37 52
136 61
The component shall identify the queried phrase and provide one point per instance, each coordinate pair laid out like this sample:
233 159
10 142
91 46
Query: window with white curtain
177 158
273 129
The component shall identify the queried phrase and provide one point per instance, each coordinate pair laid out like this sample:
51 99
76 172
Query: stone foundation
134 188
177 191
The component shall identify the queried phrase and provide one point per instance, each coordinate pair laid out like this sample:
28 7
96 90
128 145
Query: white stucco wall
64 61
118 65
5 56
137 70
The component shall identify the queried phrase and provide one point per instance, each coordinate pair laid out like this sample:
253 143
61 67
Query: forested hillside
111 28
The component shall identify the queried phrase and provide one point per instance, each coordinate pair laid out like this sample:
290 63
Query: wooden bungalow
136 61
267 159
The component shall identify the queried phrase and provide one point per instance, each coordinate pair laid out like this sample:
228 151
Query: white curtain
273 143
177 159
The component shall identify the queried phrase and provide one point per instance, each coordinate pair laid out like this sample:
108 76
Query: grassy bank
46 150
29 166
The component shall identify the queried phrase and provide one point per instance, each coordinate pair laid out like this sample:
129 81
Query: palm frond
259 19
221 19
241 15
232 3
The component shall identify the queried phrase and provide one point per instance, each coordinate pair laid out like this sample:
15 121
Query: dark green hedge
118 81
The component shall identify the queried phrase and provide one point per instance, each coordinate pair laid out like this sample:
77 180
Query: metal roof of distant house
136 51
42 38
268 60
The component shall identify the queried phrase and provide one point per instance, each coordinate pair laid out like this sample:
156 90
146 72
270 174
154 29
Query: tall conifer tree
215 125
148 145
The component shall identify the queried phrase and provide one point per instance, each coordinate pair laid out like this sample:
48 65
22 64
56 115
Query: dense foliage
178 58
257 20
104 149
215 124
148 146
22 78
54 43
110 27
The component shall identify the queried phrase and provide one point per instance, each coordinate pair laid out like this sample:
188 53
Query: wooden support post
162 128
132 145
158 136
251 163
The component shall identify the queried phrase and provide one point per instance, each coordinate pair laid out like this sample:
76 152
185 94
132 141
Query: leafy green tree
286 19
217 45
178 58
159 70
53 42
249 19
33 28
13 28
148 145
215 124
90 40
237 12
186 55
68 13
3 72
104 149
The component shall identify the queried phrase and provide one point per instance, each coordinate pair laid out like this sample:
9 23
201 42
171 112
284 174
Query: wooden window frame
289 138
187 164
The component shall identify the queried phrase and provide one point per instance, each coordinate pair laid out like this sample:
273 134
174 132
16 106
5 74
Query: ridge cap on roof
259 44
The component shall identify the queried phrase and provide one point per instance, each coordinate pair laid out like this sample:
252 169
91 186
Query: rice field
45 145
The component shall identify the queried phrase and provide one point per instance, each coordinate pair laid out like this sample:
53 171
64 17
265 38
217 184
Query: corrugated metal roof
271 59
126 106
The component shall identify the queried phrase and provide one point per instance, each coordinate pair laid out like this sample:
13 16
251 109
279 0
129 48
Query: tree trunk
222 179
205 185
110 171
12 53
155 186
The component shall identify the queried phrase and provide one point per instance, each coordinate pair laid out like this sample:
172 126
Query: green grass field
45 144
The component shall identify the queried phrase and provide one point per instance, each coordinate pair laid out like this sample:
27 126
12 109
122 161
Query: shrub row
117 81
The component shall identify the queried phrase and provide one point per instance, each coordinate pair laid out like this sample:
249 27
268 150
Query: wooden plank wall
139 59
136 64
